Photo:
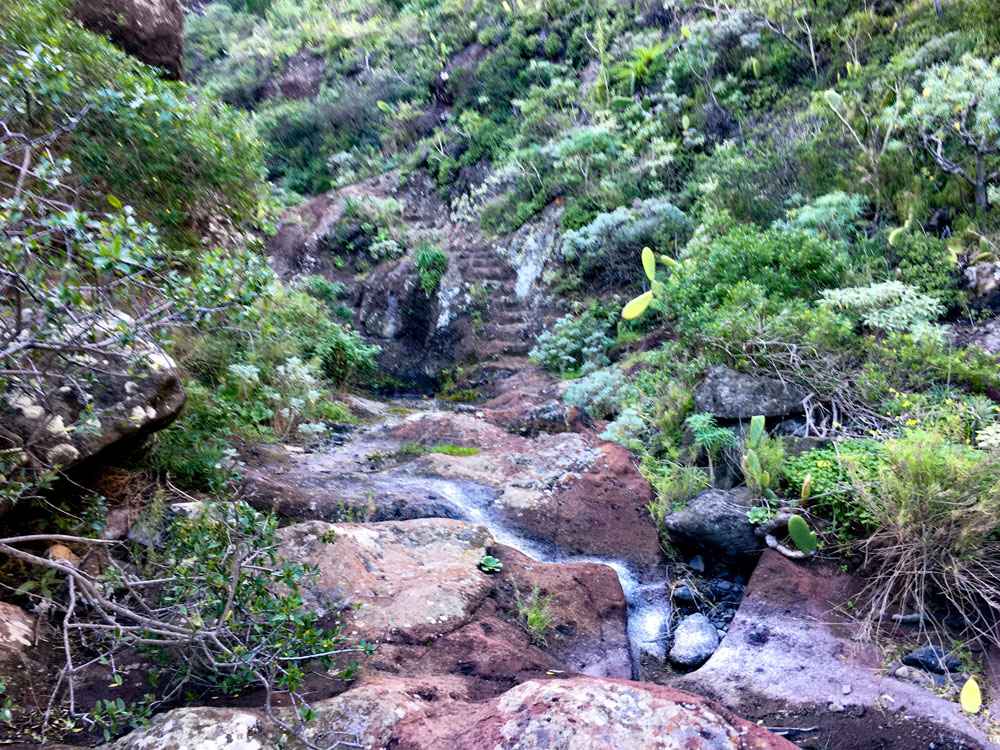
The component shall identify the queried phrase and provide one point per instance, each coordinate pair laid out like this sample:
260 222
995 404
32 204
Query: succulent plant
800 533
490 564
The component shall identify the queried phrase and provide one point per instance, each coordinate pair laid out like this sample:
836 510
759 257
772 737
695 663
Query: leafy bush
834 216
833 472
599 393
576 343
629 428
432 264
889 306
226 614
781 264
604 249
926 263
176 157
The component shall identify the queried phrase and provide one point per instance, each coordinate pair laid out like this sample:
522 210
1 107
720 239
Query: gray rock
716 519
90 409
728 394
932 659
695 639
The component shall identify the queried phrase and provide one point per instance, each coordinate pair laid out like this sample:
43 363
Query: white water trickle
648 600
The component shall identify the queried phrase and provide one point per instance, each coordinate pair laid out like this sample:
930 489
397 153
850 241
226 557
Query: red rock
789 651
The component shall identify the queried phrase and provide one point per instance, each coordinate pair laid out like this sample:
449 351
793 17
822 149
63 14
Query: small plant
533 614
759 514
432 263
761 459
490 564
455 450
710 437
803 537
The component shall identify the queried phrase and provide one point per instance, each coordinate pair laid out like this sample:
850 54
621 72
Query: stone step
504 331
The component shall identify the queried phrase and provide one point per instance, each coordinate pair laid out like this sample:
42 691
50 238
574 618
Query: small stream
648 598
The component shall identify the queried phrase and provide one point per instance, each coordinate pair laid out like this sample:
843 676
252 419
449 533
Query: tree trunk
937 9
981 181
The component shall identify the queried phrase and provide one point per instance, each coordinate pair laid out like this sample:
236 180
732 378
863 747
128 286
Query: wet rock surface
417 583
788 657
695 639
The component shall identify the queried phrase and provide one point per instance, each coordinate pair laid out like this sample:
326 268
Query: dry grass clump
936 541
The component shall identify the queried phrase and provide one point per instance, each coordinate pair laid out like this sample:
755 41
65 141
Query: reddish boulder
788 652
588 633
580 713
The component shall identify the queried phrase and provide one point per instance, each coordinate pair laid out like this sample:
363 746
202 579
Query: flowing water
648 597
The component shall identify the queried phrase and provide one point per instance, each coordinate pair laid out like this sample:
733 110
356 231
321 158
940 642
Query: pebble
697 564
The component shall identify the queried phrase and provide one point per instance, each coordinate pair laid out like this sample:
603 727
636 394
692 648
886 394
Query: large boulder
727 394
788 652
589 631
579 713
716 521
149 30
413 580
418 587
135 393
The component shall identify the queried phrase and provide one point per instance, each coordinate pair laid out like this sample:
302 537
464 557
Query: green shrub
576 343
889 306
605 248
674 484
834 216
782 264
834 472
173 155
926 263
432 264
599 393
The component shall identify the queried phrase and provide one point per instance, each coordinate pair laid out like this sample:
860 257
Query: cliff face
150 30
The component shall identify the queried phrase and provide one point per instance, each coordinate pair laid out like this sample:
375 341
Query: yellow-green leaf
971 696
686 32
637 306
648 263
113 200
894 235
669 262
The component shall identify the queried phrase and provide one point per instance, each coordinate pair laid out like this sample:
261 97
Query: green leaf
383 106
648 263
637 306
686 32
800 533
685 122
113 200
756 431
